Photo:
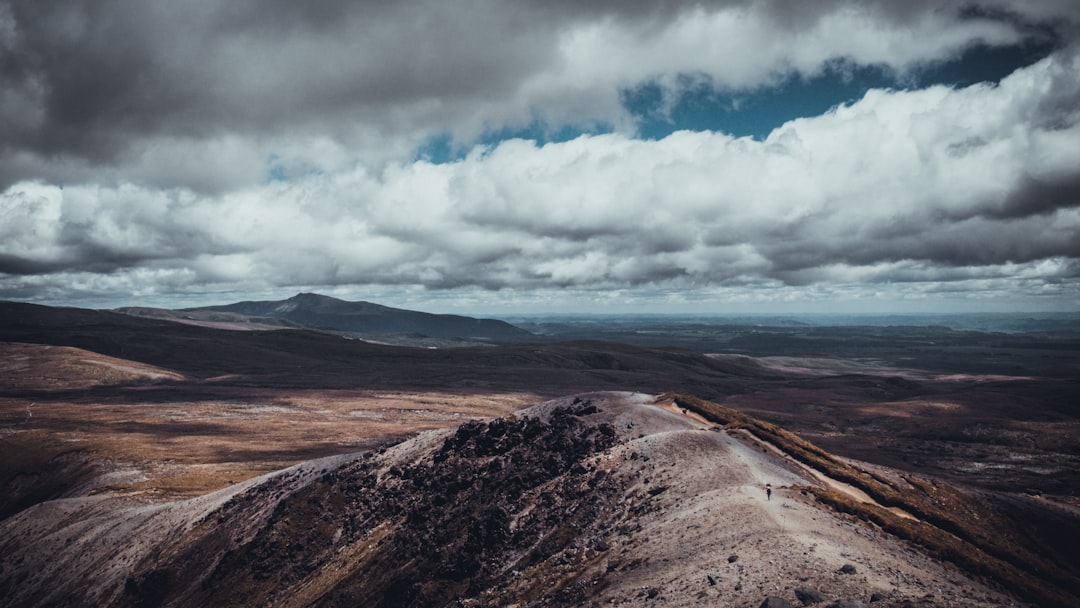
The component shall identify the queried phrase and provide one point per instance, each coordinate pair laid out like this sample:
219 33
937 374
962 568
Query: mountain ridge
597 498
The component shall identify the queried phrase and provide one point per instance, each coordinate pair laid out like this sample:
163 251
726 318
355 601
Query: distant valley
1045 345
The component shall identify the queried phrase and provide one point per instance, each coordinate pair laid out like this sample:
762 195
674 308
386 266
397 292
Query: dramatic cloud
106 83
197 148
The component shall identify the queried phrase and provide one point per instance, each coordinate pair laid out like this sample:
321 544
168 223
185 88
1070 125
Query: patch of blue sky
278 170
443 149
275 172
695 104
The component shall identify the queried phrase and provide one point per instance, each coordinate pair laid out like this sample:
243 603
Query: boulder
776 602
809 595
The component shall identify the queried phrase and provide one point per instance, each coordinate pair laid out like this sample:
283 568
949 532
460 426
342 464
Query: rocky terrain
145 461
600 499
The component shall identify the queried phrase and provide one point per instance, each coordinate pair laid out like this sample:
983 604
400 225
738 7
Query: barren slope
36 367
605 498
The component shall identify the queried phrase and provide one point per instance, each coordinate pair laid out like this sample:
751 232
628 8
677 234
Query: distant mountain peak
304 296
305 300
328 313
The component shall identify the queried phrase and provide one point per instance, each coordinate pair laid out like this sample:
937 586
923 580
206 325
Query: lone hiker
768 491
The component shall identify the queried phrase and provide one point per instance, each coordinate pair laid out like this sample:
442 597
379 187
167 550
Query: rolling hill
326 313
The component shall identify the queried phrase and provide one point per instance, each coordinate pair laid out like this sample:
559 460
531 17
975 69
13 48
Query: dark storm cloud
968 244
17 265
1036 196
96 71
173 146
99 80
93 77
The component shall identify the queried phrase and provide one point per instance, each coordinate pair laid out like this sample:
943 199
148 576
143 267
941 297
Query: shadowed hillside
307 358
323 312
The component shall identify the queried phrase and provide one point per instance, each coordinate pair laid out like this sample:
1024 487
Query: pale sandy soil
716 507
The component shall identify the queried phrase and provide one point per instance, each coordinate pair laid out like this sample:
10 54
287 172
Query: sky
501 156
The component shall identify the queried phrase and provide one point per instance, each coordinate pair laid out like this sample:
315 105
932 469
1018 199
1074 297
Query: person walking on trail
768 491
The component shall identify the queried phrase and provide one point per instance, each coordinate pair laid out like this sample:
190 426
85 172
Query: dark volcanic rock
809 595
776 602
848 569
846 604
426 533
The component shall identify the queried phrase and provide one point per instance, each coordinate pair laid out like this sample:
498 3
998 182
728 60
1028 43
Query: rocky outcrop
497 506
809 595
